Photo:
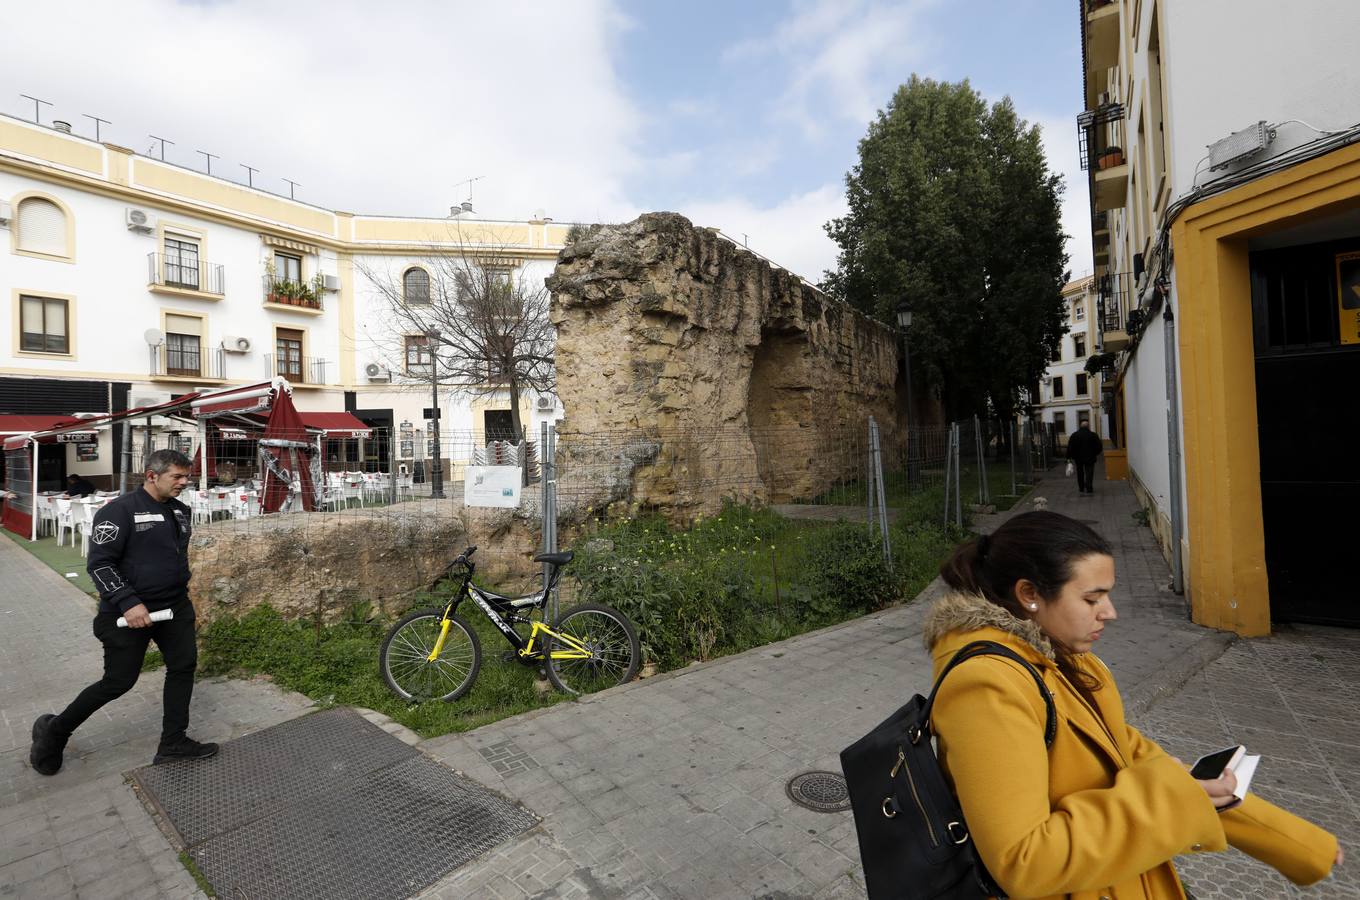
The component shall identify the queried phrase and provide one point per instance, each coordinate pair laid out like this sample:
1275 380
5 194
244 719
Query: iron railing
1100 137
1112 294
297 369
186 272
187 361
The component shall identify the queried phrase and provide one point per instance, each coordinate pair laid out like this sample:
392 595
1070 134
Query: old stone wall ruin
713 358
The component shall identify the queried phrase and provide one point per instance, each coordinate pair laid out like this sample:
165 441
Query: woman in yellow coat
1101 812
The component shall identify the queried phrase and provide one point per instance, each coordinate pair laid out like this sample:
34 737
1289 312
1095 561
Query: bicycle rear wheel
407 668
608 651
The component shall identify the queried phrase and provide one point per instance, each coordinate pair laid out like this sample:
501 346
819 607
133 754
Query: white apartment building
131 280
1223 150
1068 394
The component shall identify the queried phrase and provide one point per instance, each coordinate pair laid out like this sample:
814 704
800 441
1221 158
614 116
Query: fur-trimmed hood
958 611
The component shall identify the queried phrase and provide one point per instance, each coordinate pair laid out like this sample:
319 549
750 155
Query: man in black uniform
139 560
1082 448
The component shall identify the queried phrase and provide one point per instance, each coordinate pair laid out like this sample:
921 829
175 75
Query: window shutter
183 325
42 227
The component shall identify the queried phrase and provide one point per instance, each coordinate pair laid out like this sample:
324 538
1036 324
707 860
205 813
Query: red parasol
285 456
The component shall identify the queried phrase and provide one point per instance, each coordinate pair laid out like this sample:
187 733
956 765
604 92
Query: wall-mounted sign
1348 296
408 449
232 434
77 437
491 486
87 452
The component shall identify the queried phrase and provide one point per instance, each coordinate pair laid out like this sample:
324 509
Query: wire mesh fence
711 540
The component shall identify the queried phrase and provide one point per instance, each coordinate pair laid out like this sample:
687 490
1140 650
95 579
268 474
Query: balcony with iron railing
1100 238
187 362
1102 29
1100 136
173 274
294 296
1113 293
301 371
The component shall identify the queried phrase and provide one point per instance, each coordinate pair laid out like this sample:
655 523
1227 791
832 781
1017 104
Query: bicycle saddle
561 558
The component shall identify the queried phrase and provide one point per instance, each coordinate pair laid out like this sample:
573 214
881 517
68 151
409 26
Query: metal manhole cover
822 791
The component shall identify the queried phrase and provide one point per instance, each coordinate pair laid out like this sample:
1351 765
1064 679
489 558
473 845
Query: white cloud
789 233
1059 135
372 109
838 55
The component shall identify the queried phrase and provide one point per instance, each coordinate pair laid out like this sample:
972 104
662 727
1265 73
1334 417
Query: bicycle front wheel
598 649
406 664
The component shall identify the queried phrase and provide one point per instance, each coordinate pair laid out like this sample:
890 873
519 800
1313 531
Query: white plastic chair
47 515
82 516
332 495
405 485
378 486
201 506
354 489
65 521
246 504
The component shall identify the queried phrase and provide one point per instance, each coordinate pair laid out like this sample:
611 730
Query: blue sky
743 116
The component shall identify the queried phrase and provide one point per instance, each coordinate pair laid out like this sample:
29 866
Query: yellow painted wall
1227 581
51 146
153 176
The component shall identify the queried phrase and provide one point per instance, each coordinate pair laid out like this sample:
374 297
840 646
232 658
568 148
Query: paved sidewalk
83 833
675 787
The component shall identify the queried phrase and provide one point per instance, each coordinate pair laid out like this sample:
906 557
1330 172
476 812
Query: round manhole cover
822 791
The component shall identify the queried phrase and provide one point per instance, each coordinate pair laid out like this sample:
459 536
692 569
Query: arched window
415 286
42 227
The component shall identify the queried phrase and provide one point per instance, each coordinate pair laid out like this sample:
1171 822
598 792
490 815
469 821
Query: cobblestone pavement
83 833
675 787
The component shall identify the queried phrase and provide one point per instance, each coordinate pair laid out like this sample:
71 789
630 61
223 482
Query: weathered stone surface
673 334
319 564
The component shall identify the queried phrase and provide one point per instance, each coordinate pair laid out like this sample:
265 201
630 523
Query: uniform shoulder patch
104 532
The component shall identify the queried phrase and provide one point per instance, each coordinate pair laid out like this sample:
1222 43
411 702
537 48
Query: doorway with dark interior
1307 380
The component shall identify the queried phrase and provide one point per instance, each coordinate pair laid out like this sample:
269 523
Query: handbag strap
992 648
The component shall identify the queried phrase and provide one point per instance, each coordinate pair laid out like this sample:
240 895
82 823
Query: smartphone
1212 765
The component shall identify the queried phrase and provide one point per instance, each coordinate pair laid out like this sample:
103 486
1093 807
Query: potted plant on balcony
1110 157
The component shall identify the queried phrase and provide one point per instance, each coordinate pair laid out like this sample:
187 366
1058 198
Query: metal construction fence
387 510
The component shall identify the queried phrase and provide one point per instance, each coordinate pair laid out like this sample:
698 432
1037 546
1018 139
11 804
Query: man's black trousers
124 650
1086 473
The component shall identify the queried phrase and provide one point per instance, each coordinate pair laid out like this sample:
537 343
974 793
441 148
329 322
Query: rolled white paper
160 615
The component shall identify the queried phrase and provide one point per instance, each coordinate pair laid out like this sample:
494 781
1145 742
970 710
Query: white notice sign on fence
491 486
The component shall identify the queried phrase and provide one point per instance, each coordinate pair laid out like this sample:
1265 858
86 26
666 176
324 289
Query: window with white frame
1079 309
415 286
183 345
287 267
1078 346
181 261
44 325
1057 386
41 227
418 358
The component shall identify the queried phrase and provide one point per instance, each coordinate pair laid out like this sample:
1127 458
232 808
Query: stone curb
1148 693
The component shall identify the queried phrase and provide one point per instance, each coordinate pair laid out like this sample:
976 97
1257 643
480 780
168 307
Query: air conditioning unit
330 283
5 214
233 344
139 220
141 401
376 372
545 403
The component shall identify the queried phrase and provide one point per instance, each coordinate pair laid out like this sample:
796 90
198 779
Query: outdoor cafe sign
77 437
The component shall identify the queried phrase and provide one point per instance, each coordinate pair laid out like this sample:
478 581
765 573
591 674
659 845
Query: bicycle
434 654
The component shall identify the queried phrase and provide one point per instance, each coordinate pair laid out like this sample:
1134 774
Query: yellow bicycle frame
574 649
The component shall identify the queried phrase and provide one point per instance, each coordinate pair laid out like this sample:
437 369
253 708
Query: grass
192 867
65 560
926 504
338 665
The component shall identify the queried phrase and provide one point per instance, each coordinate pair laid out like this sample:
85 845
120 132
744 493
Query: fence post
869 475
958 478
948 475
546 504
1015 444
876 461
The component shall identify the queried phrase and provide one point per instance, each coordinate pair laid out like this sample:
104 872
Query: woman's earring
1034 606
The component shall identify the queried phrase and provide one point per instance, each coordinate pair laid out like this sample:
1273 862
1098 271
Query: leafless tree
483 314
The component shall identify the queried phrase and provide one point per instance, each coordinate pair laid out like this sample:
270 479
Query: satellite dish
153 337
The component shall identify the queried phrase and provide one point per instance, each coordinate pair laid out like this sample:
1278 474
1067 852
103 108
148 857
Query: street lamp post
436 473
904 315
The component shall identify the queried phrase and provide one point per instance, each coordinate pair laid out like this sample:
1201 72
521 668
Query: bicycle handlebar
465 555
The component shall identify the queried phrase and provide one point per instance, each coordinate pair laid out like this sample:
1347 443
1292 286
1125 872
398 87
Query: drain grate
327 806
822 791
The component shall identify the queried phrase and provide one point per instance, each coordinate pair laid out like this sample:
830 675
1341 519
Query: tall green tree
952 208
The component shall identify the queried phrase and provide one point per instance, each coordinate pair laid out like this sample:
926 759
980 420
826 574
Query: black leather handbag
913 841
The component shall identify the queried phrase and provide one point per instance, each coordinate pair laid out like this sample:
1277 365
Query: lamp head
904 315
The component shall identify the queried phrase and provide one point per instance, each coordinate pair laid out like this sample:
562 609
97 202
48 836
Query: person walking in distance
139 560
1082 448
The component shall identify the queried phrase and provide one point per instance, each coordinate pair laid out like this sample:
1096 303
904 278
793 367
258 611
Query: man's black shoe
184 748
45 755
